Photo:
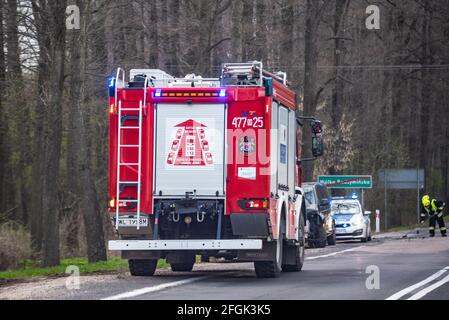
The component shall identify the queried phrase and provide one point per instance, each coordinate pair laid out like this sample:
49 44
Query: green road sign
347 182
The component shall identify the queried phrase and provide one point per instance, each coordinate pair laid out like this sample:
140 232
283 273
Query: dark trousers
432 224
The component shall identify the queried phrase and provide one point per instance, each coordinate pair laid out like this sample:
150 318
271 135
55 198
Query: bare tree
93 222
52 24
314 13
3 129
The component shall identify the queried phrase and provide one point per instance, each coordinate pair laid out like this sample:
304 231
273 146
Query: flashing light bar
170 94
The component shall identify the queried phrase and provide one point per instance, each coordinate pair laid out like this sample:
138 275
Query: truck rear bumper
188 245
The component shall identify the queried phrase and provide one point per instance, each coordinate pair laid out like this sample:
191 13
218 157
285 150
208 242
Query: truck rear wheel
271 269
299 250
142 268
182 267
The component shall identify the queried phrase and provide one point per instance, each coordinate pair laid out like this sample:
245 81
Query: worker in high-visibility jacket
434 209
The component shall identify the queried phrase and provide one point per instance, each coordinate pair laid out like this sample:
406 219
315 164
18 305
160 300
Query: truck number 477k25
242 122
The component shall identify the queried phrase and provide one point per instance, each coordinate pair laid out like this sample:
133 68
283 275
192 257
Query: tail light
122 204
254 204
111 203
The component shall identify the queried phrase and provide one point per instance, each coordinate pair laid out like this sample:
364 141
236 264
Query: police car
351 221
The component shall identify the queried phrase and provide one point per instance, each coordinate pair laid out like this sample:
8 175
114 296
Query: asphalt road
387 268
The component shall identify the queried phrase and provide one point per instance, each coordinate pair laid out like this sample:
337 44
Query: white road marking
335 253
418 285
139 292
429 289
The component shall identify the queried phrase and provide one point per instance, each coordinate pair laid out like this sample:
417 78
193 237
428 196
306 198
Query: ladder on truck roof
122 128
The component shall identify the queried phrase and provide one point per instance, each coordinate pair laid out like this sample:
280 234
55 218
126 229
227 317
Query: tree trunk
15 88
173 44
287 27
236 30
154 36
93 222
41 109
3 128
426 90
261 50
73 141
13 56
336 112
311 53
55 17
109 37
247 30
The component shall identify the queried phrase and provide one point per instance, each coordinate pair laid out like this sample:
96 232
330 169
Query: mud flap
268 253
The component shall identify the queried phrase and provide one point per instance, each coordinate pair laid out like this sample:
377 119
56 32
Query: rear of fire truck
207 167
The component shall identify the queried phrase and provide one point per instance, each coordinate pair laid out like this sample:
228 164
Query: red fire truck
207 167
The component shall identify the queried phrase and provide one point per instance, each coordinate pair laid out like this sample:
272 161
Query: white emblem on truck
190 146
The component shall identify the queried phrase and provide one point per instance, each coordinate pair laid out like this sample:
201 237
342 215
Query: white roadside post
377 221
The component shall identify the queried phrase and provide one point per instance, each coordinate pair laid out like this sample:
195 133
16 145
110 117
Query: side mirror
317 146
317 127
317 139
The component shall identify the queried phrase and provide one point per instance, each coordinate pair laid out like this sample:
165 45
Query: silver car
351 222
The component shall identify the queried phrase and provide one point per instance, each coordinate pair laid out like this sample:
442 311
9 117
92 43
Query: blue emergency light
111 85
158 93
222 93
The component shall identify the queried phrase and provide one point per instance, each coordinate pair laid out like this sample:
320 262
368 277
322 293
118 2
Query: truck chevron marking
190 147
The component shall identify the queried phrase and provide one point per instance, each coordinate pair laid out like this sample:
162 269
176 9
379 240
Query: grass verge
30 269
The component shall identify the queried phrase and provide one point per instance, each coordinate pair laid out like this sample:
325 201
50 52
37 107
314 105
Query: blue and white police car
351 222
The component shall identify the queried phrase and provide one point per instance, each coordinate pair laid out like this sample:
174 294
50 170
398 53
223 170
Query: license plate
129 222
340 231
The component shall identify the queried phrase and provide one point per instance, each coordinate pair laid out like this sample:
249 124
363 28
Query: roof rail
242 74
194 81
250 74
161 79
